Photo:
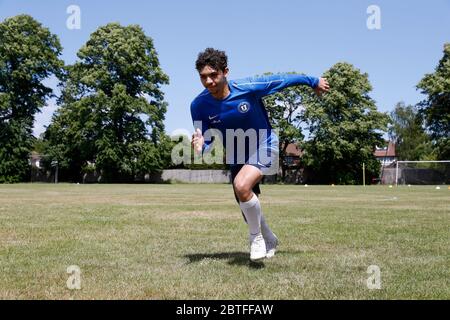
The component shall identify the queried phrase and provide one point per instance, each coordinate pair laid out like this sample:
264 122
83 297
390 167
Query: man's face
213 80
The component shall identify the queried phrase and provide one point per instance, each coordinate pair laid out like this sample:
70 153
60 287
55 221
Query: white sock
252 212
265 230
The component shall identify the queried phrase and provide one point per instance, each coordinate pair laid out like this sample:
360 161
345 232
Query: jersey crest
244 107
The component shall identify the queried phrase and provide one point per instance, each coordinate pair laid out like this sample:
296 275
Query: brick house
386 155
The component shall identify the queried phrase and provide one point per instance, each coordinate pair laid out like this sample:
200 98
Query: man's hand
197 141
322 87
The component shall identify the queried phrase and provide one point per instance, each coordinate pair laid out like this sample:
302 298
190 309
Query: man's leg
270 238
243 184
267 233
256 190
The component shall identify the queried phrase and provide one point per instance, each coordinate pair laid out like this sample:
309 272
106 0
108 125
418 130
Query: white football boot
271 246
257 248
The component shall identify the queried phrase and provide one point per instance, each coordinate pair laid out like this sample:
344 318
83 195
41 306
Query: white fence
193 176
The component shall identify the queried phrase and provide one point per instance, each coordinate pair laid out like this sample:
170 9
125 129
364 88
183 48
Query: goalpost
422 172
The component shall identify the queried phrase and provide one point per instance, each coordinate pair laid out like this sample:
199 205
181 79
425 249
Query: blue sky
261 36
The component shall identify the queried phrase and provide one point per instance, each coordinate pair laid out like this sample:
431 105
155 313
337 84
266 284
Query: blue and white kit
243 109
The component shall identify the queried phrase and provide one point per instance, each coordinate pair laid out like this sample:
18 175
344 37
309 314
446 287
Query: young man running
234 108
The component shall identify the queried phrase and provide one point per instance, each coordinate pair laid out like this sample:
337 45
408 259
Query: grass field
189 242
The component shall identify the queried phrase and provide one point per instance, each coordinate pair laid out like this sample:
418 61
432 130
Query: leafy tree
110 101
344 128
436 107
407 132
28 55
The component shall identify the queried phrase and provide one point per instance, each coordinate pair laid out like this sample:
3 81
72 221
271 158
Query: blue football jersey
243 107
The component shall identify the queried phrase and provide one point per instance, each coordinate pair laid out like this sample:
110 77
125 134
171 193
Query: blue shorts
266 156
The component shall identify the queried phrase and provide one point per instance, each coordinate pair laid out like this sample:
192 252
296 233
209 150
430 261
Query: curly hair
216 59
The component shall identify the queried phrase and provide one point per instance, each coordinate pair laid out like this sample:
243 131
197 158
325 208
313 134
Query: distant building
38 172
293 155
35 160
386 155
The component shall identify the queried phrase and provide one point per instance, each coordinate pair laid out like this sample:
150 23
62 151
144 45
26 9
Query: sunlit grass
190 242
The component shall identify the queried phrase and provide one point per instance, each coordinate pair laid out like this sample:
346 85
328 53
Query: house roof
293 150
388 151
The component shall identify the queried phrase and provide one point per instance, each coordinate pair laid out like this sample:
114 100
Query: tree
284 109
28 55
407 132
344 128
112 108
436 107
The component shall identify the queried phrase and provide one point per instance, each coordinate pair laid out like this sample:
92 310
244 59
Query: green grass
189 242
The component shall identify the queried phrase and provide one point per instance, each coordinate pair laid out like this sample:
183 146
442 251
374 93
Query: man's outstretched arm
267 85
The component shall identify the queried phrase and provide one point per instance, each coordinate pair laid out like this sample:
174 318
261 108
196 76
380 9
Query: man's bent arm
200 124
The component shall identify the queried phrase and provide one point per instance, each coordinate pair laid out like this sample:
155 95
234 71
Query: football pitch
188 241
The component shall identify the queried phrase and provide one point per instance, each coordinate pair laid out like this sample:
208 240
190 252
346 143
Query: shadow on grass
233 258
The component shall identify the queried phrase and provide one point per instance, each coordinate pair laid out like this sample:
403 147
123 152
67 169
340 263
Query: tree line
111 111
111 107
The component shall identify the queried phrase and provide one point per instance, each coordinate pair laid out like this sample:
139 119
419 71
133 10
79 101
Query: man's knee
242 189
